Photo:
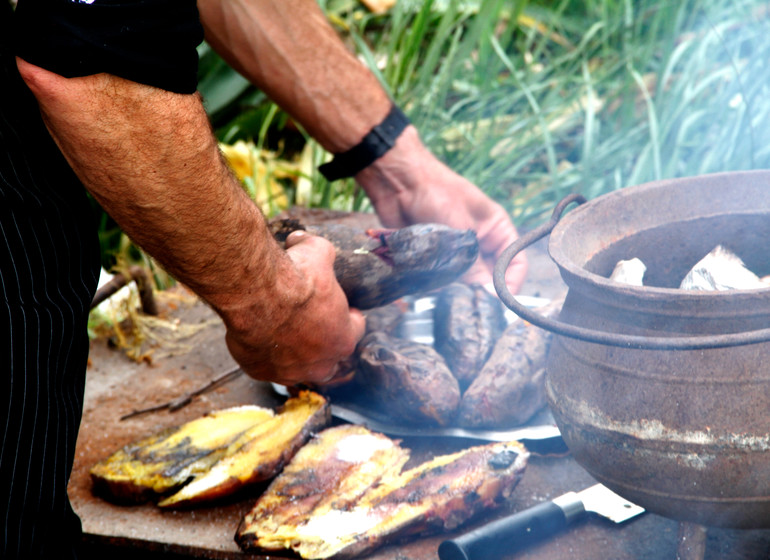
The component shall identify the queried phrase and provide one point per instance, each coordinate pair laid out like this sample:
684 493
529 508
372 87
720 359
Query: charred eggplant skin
378 266
409 381
468 321
510 388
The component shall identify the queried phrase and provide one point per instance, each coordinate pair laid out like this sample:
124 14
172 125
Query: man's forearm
288 49
148 156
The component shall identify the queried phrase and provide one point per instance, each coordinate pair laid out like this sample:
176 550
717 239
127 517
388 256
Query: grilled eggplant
511 385
380 502
510 388
468 320
377 266
162 462
407 381
386 318
259 453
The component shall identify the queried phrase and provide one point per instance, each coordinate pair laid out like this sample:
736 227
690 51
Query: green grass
534 100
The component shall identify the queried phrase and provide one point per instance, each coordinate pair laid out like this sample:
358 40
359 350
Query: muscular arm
149 157
287 48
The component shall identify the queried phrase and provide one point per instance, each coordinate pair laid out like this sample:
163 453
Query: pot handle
600 337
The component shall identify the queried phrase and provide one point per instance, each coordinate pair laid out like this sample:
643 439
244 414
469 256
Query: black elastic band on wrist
373 146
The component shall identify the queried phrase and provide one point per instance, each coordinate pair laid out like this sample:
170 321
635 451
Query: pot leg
692 541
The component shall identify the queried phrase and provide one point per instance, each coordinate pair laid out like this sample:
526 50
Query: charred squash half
212 456
440 494
164 461
259 453
332 471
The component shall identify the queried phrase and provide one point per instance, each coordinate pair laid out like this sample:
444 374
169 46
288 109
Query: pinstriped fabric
48 272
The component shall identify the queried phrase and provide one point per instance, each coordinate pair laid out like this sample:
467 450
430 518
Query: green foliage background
533 100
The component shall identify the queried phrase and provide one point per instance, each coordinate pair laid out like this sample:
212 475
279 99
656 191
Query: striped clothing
49 262
49 253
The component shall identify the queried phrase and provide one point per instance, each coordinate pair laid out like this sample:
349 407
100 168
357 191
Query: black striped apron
49 262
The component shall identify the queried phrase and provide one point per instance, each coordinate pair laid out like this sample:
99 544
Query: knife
541 438
503 536
538 432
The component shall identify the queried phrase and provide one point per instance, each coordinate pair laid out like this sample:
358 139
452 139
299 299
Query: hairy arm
150 158
288 49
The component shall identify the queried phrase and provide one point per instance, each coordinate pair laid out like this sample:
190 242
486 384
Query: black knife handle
503 536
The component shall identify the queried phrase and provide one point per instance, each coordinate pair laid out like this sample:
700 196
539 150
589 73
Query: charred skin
376 267
157 464
510 388
377 501
468 320
258 454
408 381
333 470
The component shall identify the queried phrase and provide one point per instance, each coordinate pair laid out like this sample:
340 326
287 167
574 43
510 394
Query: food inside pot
720 270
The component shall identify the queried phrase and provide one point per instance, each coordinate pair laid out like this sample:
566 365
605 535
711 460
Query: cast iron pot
663 394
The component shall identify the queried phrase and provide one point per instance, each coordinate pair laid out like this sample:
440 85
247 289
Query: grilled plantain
166 460
440 494
331 471
259 453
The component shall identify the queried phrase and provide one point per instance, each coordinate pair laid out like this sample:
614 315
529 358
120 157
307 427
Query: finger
358 324
310 250
516 273
478 274
483 269
297 237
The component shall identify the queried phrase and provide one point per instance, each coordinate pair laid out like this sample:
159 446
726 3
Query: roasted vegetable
510 388
407 381
376 267
333 470
258 454
468 320
438 495
166 460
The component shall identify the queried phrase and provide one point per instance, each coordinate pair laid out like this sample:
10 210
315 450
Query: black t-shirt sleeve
148 41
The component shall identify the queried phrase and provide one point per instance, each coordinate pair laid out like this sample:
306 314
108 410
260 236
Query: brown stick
143 284
182 401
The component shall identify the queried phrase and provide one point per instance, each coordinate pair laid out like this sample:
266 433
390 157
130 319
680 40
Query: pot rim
576 276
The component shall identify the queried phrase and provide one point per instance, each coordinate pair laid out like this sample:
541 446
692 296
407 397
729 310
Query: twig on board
182 401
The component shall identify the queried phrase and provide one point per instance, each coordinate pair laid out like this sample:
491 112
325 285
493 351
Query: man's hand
304 66
307 329
410 185
150 159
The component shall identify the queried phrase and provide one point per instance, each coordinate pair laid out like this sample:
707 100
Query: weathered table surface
117 385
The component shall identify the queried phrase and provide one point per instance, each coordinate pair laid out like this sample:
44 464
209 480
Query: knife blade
501 537
541 438
539 432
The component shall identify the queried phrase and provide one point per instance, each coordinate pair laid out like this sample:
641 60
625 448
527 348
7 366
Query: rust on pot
682 431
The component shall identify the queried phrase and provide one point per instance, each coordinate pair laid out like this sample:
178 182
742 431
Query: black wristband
373 146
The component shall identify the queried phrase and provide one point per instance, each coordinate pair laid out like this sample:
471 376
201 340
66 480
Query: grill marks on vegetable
372 501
